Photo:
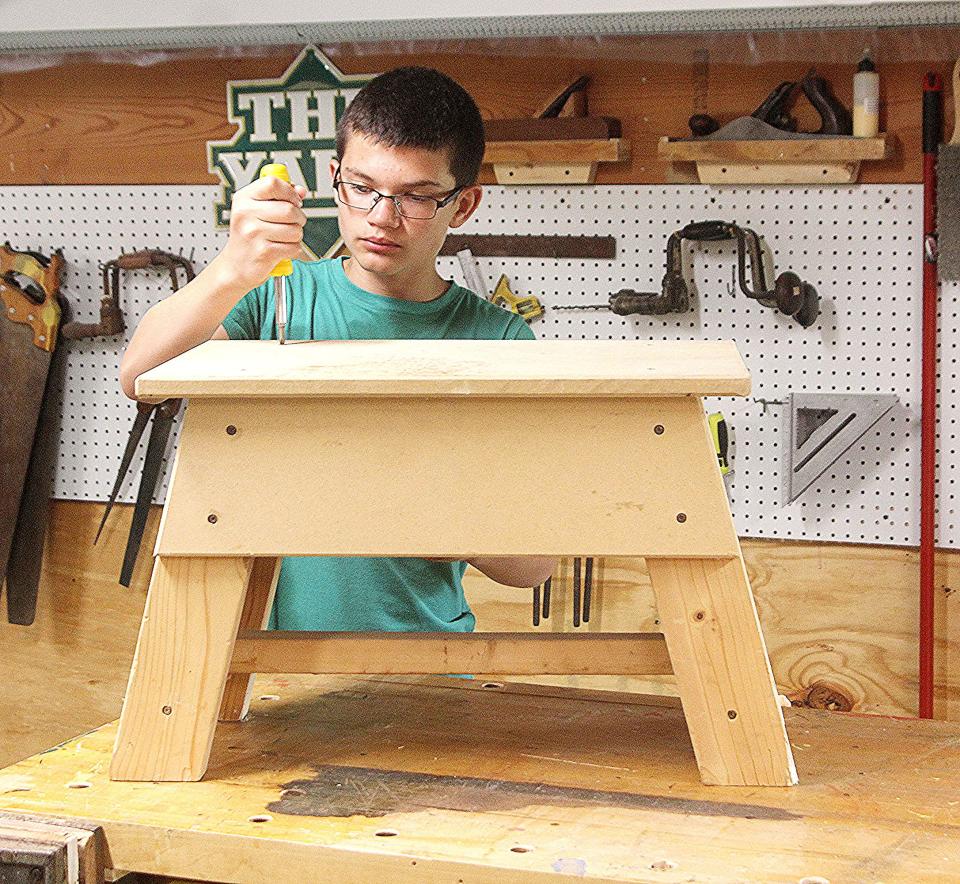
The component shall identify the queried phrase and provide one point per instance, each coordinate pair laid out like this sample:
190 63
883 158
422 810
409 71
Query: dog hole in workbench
521 848
260 818
492 685
386 833
78 785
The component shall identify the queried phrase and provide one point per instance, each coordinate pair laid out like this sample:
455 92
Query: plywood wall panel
86 121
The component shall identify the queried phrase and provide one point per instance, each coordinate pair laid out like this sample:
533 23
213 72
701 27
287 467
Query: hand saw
29 286
26 549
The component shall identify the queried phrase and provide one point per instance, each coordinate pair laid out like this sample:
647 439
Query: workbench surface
348 779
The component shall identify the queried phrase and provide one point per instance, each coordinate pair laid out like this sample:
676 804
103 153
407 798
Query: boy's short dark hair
419 107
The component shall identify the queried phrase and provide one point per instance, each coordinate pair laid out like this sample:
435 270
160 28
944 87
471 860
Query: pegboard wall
857 245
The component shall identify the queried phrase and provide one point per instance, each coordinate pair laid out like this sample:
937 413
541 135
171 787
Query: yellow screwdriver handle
278 170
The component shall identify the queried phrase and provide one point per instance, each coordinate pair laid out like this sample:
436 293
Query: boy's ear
467 204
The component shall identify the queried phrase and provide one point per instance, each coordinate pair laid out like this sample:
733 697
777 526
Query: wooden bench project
445 448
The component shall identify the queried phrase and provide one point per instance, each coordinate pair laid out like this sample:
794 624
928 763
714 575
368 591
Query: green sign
293 121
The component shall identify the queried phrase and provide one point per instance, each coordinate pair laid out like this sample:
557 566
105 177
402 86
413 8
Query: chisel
285 267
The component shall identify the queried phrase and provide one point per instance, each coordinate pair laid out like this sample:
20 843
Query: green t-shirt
365 593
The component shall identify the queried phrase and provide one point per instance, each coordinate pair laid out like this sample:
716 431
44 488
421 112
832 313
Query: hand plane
835 119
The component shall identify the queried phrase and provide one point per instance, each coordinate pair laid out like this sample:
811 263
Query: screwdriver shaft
280 299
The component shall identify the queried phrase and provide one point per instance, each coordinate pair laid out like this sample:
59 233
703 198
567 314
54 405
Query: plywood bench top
450 368
512 784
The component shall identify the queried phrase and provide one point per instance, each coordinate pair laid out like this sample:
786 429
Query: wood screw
212 518
231 430
731 714
681 517
658 429
699 615
167 710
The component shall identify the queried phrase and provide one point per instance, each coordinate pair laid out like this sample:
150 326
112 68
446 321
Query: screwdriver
285 267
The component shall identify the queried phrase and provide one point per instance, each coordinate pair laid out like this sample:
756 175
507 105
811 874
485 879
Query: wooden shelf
776 161
571 161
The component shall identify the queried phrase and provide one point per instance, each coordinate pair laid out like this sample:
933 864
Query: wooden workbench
442 779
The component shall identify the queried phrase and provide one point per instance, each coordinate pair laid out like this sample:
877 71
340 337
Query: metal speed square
821 427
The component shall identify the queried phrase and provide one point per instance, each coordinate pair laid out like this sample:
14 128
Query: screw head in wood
212 518
167 710
231 430
681 517
731 714
658 429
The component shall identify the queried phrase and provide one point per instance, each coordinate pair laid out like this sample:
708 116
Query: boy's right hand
266 226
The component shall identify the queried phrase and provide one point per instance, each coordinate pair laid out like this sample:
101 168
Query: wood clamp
111 318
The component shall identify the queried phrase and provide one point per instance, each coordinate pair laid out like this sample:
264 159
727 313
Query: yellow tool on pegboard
721 441
529 307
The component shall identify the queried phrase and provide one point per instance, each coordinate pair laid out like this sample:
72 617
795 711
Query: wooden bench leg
180 668
726 686
256 614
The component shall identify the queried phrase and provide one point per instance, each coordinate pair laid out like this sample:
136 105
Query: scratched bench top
450 368
402 778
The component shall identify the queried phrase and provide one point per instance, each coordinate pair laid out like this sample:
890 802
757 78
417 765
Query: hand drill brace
789 294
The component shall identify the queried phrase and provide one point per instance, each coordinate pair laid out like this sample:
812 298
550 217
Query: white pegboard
856 245
93 225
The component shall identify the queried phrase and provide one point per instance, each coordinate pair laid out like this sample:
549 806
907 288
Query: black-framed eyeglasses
409 205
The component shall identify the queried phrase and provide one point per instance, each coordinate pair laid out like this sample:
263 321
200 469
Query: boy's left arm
516 570
523 571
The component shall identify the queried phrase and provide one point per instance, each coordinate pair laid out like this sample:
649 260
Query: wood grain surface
839 621
85 121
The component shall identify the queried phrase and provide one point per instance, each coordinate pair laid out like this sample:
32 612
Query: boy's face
406 245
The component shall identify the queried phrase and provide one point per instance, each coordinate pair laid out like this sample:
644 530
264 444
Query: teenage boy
409 149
